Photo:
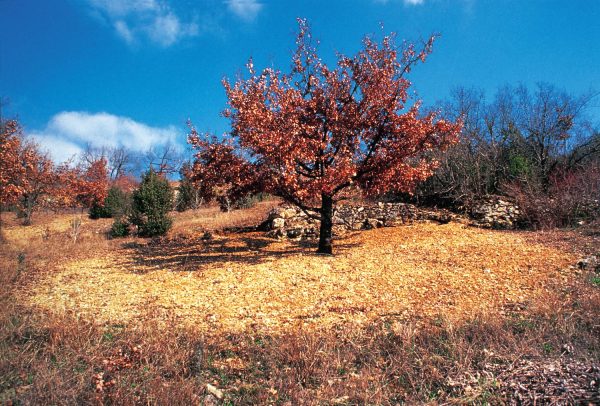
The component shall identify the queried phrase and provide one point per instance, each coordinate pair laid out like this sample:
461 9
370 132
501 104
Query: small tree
12 172
151 204
40 178
117 204
93 184
310 135
188 195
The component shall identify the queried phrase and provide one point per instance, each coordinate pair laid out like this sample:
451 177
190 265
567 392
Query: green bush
99 212
151 204
116 204
188 197
250 201
120 228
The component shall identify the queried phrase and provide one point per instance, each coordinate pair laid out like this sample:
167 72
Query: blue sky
131 72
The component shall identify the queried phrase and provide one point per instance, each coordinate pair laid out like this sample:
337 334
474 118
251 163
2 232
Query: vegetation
120 228
147 353
188 195
317 131
117 204
217 312
534 146
152 202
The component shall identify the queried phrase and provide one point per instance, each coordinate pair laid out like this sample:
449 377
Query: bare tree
119 159
165 159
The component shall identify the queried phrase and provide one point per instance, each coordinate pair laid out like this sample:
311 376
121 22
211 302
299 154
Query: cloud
67 133
151 19
406 2
244 9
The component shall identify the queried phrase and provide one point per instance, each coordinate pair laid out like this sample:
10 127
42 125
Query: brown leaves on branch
12 170
29 179
312 133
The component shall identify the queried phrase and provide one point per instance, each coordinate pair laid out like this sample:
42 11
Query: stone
213 390
370 224
288 213
210 400
294 233
591 263
278 223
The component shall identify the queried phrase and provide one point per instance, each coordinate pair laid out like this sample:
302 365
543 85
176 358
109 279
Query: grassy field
423 313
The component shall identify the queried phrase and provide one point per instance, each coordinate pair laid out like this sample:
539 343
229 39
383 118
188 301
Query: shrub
188 197
571 197
120 228
250 201
151 204
116 204
99 212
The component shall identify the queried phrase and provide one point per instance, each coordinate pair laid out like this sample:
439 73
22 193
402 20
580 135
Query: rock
495 212
370 224
278 223
210 400
288 213
294 233
214 391
591 263
277 233
356 226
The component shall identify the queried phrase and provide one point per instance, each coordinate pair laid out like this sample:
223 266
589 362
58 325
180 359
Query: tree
188 195
12 172
151 204
40 182
164 159
78 186
310 135
119 160
117 204
93 184
522 137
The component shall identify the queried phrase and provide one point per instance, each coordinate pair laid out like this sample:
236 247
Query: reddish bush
571 197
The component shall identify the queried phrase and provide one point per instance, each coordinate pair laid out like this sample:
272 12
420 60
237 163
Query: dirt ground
240 281
424 313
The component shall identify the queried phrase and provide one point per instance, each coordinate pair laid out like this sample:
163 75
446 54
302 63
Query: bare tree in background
120 159
521 136
165 159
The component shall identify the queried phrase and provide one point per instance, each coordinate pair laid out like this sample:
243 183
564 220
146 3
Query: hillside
469 302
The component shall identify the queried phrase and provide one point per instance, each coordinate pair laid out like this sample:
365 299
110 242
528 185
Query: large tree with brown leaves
310 134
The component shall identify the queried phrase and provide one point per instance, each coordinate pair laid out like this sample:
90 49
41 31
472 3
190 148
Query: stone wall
291 222
495 212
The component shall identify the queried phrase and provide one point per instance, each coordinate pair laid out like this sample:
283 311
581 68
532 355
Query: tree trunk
1 235
325 232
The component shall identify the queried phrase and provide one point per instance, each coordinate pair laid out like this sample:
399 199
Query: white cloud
153 19
167 29
124 31
245 9
406 2
68 132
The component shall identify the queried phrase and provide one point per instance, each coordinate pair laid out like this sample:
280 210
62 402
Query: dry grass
238 282
426 313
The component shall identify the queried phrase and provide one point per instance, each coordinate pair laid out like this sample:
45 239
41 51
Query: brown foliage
309 135
12 171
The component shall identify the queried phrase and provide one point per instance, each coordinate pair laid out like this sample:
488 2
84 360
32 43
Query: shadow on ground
191 254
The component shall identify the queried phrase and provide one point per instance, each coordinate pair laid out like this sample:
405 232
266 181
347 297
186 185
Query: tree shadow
182 254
